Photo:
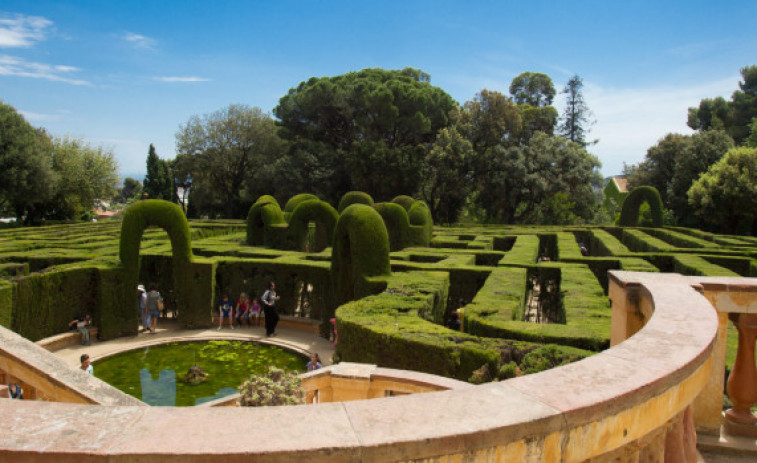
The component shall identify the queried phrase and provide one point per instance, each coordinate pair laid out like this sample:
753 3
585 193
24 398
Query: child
225 310
255 311
315 362
81 325
86 365
243 314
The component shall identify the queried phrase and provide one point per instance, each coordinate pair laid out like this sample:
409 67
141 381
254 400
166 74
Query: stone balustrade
633 402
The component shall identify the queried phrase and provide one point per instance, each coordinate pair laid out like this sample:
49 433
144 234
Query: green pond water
155 375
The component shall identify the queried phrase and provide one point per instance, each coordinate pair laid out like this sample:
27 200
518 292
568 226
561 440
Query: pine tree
577 116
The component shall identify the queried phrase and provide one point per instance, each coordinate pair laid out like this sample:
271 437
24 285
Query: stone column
742 383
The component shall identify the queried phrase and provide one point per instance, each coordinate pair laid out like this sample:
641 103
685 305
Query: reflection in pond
158 375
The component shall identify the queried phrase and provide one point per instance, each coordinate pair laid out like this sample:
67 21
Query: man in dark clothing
269 308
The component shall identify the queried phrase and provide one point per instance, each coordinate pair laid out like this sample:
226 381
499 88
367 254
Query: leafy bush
277 387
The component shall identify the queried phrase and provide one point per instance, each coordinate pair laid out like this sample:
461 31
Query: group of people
246 311
150 306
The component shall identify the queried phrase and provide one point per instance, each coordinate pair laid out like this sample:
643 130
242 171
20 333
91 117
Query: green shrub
276 387
354 197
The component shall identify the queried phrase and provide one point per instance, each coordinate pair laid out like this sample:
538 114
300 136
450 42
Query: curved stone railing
631 401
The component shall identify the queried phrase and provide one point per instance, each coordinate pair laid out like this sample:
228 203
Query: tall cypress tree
153 179
159 181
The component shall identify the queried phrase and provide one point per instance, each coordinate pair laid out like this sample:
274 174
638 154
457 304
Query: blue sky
129 73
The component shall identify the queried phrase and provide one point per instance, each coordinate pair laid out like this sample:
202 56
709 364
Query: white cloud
43 117
181 79
14 66
140 41
22 31
630 120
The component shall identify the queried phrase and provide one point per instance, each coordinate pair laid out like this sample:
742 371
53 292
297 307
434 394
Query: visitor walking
269 300
242 310
154 305
225 310
86 365
144 314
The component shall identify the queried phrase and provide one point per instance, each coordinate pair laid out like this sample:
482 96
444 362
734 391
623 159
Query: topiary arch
629 215
354 197
360 255
169 217
312 210
263 215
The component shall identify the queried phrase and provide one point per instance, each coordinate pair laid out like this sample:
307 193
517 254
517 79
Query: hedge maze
531 297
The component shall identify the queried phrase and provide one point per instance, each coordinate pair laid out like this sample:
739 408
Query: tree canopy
533 88
675 162
734 116
725 197
228 154
358 123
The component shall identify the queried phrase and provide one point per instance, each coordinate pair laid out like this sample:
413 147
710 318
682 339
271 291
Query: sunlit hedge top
354 197
164 214
629 215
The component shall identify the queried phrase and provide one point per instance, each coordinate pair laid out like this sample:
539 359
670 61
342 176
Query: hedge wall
6 304
390 330
47 302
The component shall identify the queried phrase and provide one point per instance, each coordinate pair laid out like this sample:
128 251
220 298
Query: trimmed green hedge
397 224
325 218
695 265
360 253
6 304
421 225
295 201
404 201
629 215
524 251
265 221
391 330
354 197
170 218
